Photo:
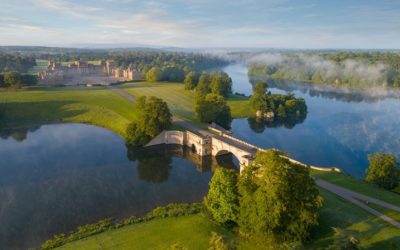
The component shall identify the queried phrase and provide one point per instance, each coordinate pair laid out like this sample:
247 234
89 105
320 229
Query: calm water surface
54 178
341 128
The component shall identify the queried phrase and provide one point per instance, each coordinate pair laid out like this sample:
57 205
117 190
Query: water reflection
62 176
341 129
18 134
329 92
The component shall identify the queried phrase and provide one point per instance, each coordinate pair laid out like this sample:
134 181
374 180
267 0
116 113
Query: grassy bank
181 101
357 185
194 231
96 106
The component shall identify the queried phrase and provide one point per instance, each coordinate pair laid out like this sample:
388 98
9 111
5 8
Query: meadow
194 231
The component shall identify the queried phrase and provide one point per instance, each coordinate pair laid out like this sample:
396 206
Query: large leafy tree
221 83
277 198
258 101
203 86
154 116
213 108
222 198
383 170
191 80
154 74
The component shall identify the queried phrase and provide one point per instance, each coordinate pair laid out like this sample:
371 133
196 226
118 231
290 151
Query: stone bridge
209 144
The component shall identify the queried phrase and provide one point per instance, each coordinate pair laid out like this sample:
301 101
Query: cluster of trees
16 62
213 108
153 117
216 82
210 105
272 198
282 106
349 69
167 73
383 171
16 80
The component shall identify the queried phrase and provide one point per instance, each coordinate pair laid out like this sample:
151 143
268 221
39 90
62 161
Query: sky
307 24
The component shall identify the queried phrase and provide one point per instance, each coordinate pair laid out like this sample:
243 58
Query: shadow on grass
27 114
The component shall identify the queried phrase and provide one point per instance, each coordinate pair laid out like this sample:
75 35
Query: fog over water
342 126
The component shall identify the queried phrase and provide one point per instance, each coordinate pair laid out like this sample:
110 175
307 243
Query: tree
383 170
217 242
191 80
258 101
154 74
203 86
220 83
222 198
12 79
213 108
153 117
277 198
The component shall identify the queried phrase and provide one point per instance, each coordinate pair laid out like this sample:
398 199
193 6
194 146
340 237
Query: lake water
341 128
54 178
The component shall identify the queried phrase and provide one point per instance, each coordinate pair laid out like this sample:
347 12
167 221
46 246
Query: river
341 128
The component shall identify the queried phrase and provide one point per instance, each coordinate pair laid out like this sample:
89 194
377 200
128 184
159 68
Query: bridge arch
220 146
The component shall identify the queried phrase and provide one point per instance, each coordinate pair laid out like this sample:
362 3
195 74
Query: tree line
348 69
16 80
16 62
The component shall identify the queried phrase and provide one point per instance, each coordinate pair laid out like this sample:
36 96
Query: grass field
52 105
194 231
359 186
180 101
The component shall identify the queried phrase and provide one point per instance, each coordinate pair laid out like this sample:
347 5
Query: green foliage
258 101
277 198
154 74
14 79
16 62
383 170
281 105
191 80
172 74
344 240
222 199
213 108
171 210
217 242
203 86
335 68
154 117
221 83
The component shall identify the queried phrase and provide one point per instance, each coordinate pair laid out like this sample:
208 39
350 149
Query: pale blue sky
203 23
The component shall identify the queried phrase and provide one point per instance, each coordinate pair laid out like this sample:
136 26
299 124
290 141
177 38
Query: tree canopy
277 198
213 108
154 74
15 79
153 117
383 170
191 80
222 198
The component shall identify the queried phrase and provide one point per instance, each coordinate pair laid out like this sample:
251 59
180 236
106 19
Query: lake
341 128
54 178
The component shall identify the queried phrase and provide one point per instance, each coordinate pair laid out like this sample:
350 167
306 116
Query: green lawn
180 101
96 106
359 186
194 231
